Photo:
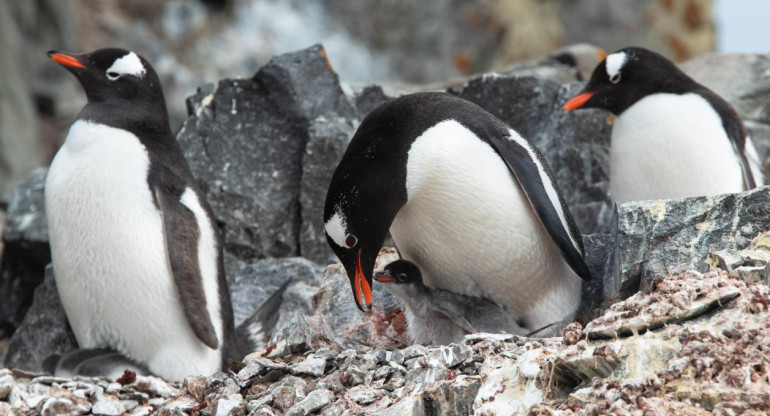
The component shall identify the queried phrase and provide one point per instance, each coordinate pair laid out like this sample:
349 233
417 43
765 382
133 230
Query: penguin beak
601 54
362 288
383 277
65 59
578 101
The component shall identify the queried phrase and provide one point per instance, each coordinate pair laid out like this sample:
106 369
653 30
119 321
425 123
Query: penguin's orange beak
578 101
363 290
65 60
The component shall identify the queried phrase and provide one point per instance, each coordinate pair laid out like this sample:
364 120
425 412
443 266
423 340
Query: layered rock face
265 148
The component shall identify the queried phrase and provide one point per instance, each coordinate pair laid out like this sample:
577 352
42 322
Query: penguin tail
257 329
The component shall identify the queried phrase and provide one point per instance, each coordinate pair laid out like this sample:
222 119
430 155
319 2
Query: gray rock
658 238
575 144
26 251
329 137
315 400
257 281
598 248
42 333
245 139
312 366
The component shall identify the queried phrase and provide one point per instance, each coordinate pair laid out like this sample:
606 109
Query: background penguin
136 254
467 199
672 137
438 316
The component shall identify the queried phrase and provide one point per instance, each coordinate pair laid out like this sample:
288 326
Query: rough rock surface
43 331
656 238
246 139
26 252
696 343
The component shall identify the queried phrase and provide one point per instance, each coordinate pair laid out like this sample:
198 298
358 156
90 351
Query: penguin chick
672 137
441 317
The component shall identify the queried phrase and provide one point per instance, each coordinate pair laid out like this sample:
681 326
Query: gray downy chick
441 317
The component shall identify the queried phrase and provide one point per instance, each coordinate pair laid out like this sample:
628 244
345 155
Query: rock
315 400
257 281
657 238
751 264
312 366
575 144
26 251
329 137
42 333
245 139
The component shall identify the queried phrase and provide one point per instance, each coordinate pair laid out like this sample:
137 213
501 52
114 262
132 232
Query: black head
114 74
628 75
402 272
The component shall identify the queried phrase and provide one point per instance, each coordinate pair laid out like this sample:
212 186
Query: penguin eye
350 240
615 78
401 277
112 76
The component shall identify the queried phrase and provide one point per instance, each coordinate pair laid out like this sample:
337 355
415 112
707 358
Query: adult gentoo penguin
435 316
466 198
672 137
136 253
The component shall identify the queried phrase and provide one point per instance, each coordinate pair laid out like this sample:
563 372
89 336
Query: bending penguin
465 198
136 254
672 137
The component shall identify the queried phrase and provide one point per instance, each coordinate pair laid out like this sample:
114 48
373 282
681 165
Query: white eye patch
336 229
128 64
614 63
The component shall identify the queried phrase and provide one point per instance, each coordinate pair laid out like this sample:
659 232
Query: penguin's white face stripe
615 63
207 257
128 64
336 228
550 190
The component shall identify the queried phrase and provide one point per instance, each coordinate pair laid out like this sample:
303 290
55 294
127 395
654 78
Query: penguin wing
182 234
457 320
535 178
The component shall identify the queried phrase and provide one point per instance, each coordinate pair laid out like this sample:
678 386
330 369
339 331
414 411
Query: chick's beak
65 60
383 277
362 288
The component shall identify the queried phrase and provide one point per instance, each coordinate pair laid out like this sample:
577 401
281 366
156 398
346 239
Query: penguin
136 252
582 56
92 362
671 137
441 317
466 198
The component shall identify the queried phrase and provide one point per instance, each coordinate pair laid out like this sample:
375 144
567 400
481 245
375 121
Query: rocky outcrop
658 238
26 252
246 139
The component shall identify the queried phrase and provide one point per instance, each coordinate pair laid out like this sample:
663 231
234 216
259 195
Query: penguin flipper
182 233
457 320
536 179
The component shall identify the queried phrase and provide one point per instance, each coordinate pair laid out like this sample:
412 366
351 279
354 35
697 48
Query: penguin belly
672 146
470 229
109 255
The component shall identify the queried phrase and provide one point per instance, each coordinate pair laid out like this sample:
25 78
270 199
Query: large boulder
659 238
245 139
26 251
43 331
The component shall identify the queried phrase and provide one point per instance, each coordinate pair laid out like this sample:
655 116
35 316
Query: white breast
672 146
110 259
470 229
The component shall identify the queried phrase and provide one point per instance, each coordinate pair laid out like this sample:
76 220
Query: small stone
314 401
254 404
287 396
448 356
362 395
110 406
312 366
226 405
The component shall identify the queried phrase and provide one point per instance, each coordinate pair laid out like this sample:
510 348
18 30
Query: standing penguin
466 198
672 137
136 253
